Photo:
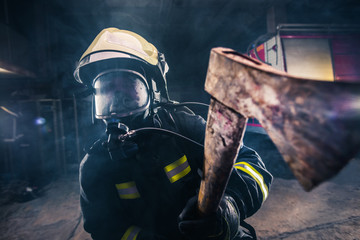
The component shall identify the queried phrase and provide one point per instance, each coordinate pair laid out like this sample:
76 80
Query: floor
330 211
54 214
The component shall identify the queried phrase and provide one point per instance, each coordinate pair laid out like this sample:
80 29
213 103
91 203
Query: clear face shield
120 93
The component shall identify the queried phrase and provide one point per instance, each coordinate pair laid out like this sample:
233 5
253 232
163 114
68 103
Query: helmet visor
120 93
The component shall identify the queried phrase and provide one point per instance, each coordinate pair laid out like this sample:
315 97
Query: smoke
324 12
185 31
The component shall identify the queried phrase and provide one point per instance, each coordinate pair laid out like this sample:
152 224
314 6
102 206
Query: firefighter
141 180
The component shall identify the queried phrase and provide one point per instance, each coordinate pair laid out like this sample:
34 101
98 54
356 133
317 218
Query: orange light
3 70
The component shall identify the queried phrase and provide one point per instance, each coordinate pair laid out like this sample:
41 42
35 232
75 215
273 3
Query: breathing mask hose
119 133
114 130
134 133
119 137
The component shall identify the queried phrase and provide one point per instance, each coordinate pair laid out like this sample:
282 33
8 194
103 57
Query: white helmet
126 72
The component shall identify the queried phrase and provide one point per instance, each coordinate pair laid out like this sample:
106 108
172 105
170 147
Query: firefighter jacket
144 194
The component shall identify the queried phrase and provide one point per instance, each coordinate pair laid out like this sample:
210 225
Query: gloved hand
119 150
118 146
146 235
195 227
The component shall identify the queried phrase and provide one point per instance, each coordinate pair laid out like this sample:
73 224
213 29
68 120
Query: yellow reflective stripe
131 233
129 196
180 175
177 169
175 164
125 185
245 167
127 190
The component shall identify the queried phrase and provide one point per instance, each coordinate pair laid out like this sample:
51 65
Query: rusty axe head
314 124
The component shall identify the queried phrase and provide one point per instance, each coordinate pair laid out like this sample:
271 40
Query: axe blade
314 124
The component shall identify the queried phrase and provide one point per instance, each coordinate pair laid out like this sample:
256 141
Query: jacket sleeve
97 200
190 125
249 182
104 216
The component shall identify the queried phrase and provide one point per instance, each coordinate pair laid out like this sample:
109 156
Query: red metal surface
347 67
253 122
312 36
260 51
346 58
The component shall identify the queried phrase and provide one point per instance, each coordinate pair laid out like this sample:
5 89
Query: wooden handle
223 137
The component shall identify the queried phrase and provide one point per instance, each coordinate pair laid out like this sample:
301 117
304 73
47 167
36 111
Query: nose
127 102
117 103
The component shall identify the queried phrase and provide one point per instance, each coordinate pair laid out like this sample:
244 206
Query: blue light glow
40 121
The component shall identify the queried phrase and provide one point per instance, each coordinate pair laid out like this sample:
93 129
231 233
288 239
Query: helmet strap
156 93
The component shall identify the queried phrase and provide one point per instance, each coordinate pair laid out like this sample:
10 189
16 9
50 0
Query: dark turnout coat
141 196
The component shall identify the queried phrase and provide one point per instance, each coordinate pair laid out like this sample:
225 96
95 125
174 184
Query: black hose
190 103
133 133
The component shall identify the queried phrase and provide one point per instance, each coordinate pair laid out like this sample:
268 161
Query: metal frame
59 144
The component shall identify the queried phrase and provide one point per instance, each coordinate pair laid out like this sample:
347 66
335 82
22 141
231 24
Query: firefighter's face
120 93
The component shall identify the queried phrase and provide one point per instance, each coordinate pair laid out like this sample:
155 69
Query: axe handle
224 132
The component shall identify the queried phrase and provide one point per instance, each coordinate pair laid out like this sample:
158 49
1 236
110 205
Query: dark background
41 41
42 144
46 38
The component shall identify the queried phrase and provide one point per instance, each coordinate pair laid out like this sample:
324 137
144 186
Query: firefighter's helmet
126 72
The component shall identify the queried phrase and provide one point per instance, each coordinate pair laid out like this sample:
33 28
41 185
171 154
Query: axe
314 124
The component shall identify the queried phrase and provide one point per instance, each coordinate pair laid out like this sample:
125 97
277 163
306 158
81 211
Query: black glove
121 149
146 235
118 145
194 227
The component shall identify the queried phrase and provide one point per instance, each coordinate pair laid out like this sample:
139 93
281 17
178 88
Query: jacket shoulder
190 124
95 158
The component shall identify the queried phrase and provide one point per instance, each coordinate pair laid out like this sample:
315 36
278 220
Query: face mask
120 93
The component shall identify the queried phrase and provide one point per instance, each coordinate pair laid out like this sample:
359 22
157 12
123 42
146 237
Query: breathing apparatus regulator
127 77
